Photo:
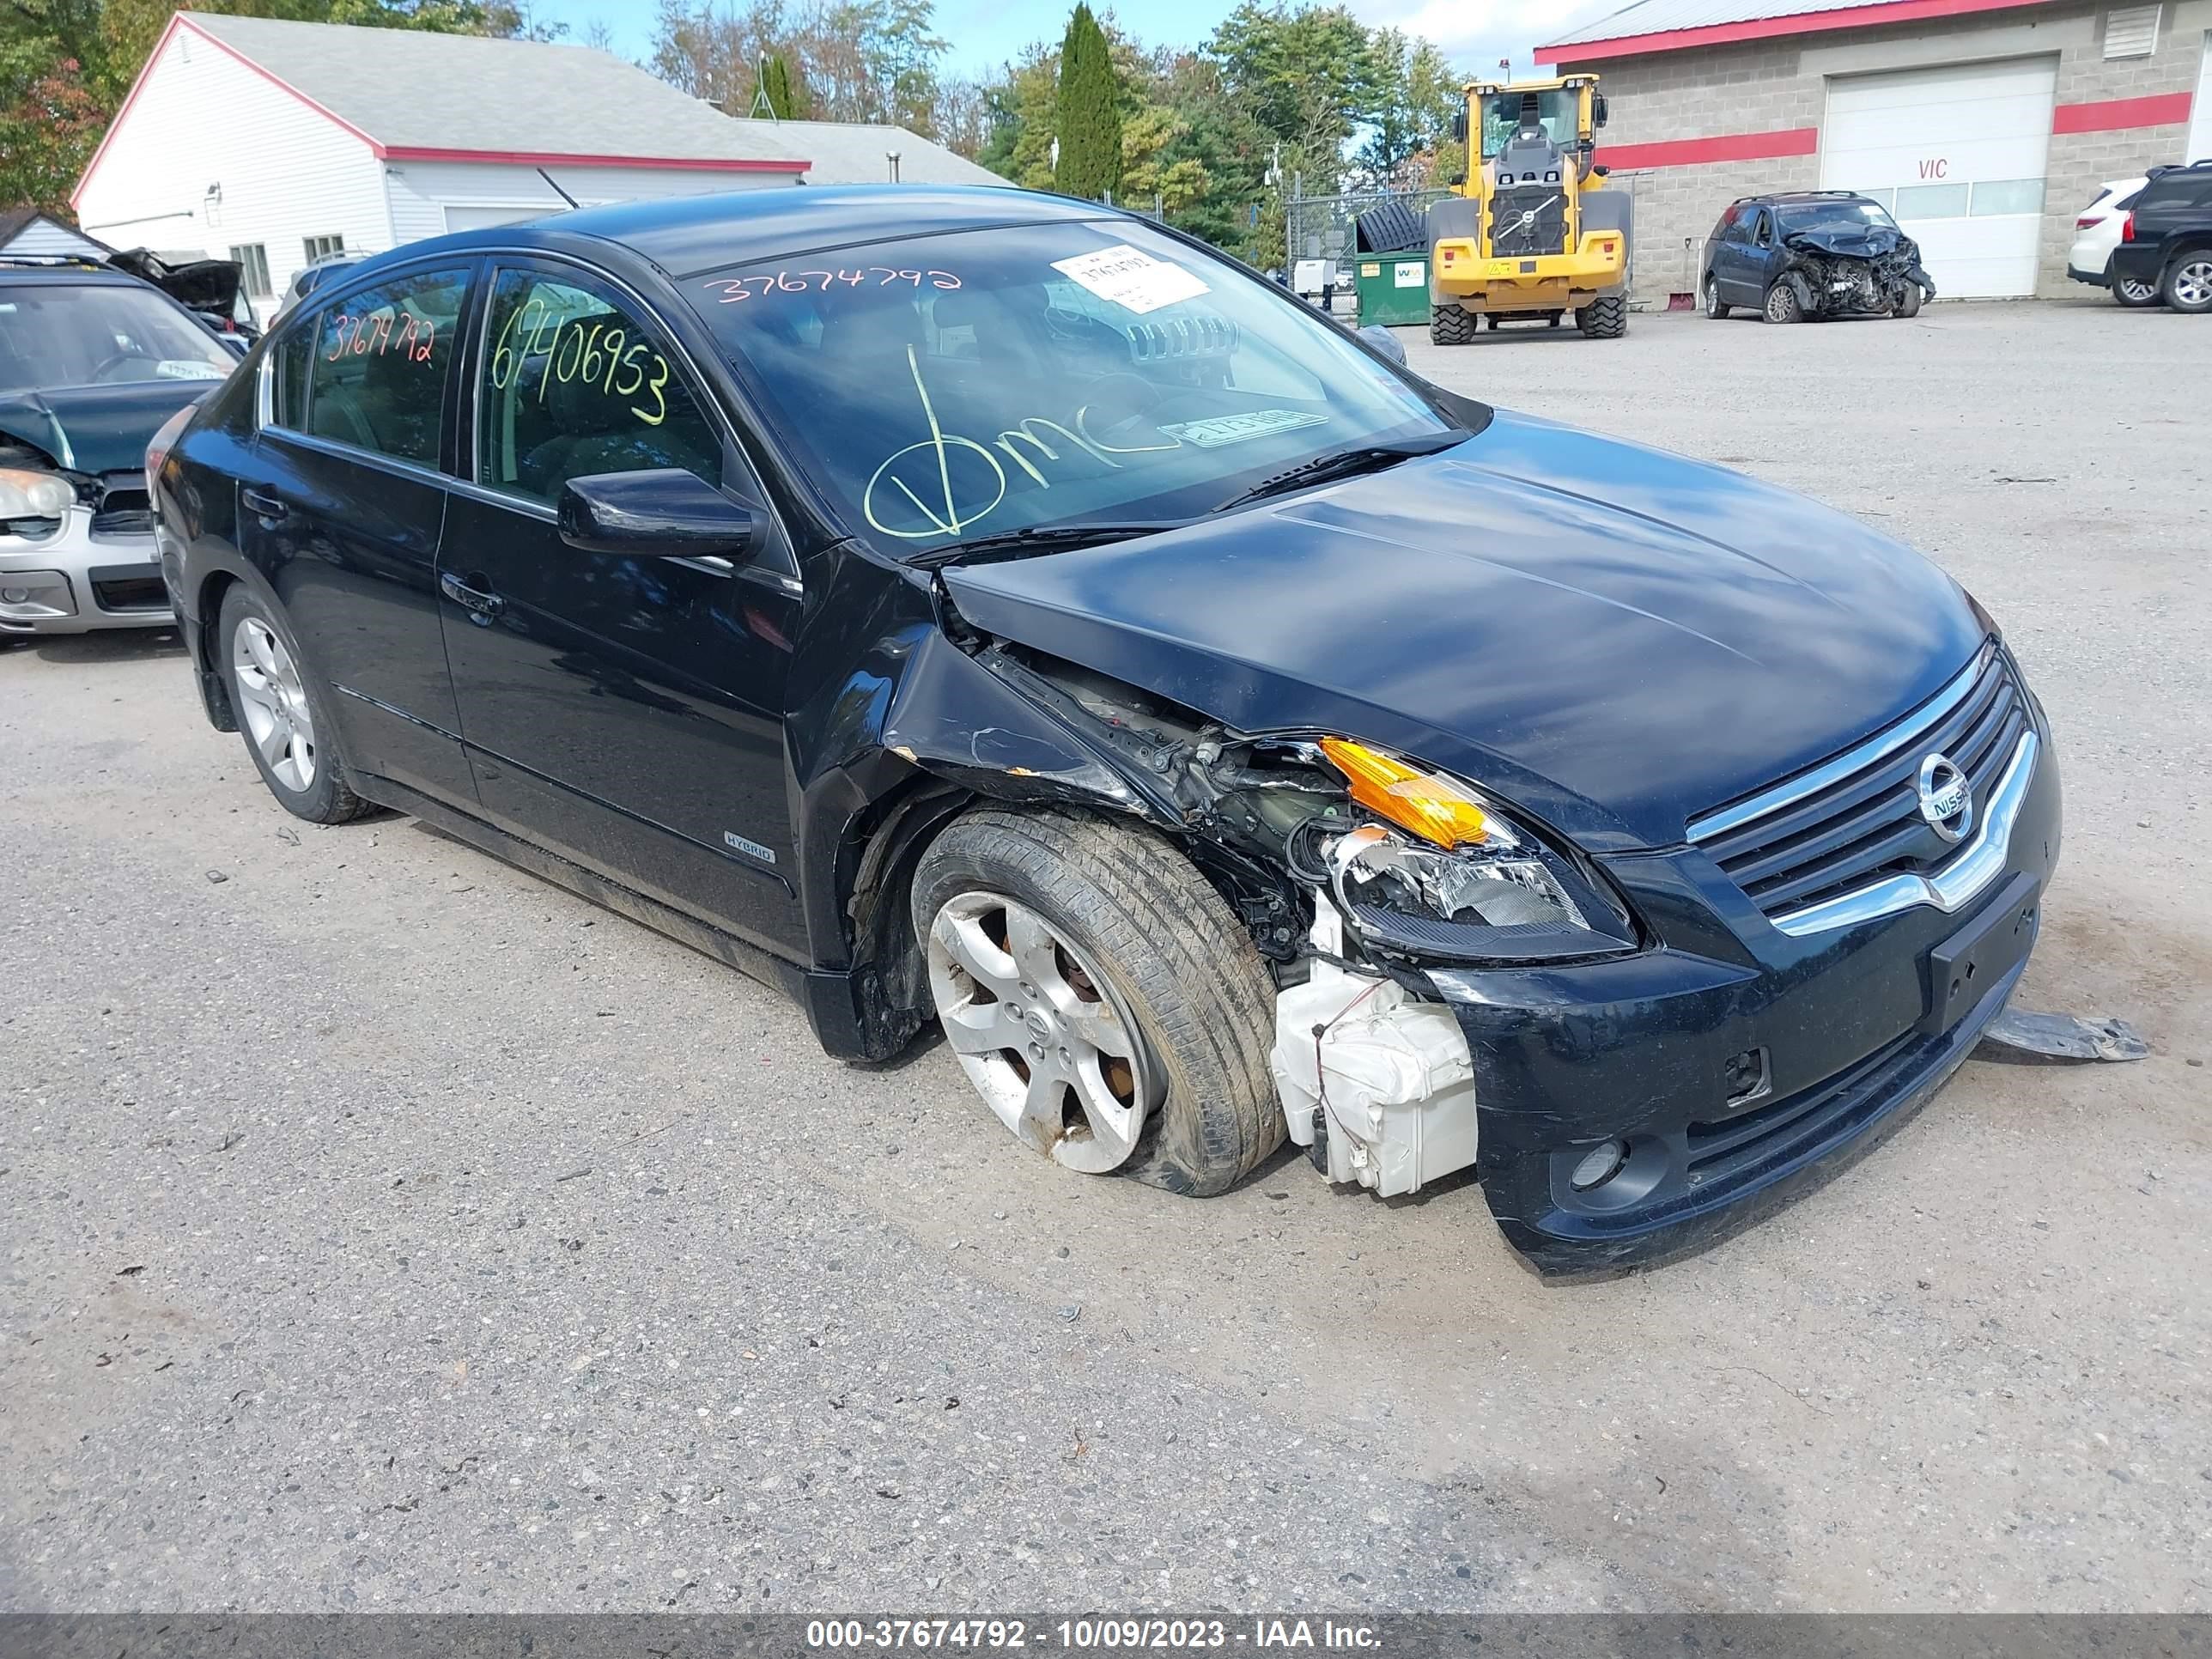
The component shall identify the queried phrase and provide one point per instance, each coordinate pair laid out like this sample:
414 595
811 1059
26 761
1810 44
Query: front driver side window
574 386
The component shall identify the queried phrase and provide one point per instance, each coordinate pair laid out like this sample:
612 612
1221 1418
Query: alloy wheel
2193 284
273 704
1041 1033
2137 294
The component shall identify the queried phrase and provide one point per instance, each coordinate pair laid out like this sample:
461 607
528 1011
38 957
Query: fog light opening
1599 1165
14 595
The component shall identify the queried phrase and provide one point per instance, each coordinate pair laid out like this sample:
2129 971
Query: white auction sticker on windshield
1242 428
1130 279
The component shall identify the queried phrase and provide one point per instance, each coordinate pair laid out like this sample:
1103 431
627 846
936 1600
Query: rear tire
1140 937
1716 307
1605 318
1782 305
2188 284
1450 325
283 713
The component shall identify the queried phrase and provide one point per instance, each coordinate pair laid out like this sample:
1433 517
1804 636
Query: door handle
268 507
484 604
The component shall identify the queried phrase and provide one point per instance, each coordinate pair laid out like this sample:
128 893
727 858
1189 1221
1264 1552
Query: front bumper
1459 270
1850 1031
78 579
2138 262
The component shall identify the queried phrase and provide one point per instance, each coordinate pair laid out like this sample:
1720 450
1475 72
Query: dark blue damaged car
980 612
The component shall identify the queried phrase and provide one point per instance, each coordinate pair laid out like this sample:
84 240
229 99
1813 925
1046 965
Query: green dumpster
1394 288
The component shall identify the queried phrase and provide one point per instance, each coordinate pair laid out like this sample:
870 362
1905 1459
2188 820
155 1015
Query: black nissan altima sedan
980 610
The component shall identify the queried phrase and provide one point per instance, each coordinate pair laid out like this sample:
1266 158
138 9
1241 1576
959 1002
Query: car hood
202 284
97 428
1868 244
1614 638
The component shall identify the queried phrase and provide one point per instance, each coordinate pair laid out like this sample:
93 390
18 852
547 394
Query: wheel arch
207 614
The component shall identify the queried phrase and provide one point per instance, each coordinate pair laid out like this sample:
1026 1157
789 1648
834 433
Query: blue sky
986 33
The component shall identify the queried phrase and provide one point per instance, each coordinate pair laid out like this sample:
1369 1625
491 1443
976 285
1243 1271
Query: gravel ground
384 1229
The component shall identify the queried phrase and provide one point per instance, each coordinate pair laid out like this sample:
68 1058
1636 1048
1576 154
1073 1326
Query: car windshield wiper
1343 463
1040 539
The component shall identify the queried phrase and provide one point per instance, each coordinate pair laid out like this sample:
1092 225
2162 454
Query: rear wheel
2134 293
1716 307
1782 305
2188 285
1604 319
282 713
1101 997
1450 325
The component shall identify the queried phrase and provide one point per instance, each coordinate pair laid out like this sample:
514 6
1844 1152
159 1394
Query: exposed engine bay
1354 872
1841 274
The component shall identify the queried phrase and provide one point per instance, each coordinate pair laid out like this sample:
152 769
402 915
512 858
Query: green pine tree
775 82
1089 113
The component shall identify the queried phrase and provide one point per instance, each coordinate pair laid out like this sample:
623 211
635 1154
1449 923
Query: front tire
1908 302
1102 998
1450 325
1716 307
1782 305
2188 284
2134 295
1605 318
283 712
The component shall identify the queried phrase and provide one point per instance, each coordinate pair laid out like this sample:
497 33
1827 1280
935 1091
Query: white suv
2097 233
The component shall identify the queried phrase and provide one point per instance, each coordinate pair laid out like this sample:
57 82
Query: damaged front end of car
1839 274
1355 871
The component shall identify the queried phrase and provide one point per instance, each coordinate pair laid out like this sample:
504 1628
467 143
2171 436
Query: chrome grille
1853 820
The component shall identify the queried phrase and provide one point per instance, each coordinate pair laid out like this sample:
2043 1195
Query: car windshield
1833 215
1557 113
946 388
57 335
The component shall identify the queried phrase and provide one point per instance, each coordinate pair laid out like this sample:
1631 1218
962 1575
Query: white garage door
1957 154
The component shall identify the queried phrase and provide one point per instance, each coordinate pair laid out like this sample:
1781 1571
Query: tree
1021 110
783 103
1309 77
1410 120
1088 117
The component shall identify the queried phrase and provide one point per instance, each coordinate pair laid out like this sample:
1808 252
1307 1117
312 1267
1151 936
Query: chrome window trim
370 458
1883 743
1951 888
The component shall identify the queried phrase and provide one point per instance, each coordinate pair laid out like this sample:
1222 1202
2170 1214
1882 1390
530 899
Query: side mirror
1597 110
1383 341
1459 124
666 512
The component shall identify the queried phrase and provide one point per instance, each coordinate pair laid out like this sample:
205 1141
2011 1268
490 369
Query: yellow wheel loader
1532 232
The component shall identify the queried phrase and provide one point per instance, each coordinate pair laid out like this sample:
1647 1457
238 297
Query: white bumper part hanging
1376 1085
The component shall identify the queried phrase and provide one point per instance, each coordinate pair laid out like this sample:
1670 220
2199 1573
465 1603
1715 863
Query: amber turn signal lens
1433 808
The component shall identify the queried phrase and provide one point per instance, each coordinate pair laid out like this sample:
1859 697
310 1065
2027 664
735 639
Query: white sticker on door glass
1130 279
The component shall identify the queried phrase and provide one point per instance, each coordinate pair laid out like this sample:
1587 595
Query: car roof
688 235
14 273
1783 198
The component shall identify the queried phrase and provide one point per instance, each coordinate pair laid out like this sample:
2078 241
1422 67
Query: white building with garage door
1984 125
274 142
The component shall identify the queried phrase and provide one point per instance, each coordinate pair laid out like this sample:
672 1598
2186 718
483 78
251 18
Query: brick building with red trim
1985 125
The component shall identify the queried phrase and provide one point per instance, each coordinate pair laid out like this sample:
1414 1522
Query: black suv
2167 238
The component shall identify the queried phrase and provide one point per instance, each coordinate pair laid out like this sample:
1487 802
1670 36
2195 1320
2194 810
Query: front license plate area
1961 970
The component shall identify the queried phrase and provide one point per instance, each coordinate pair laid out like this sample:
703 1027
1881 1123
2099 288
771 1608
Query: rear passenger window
574 385
377 380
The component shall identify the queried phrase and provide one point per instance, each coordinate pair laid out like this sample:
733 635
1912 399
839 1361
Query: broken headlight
1451 876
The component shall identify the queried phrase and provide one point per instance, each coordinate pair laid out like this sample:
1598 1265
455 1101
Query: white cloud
1476 33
